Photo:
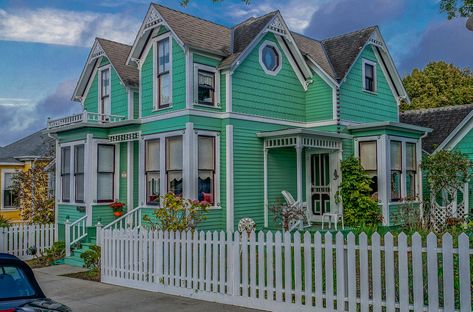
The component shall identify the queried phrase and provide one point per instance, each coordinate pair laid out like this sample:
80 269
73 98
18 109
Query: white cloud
296 13
52 26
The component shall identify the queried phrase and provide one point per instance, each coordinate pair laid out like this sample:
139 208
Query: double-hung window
163 78
369 161
79 173
65 173
152 172
396 170
411 170
174 164
105 172
369 76
206 169
105 92
206 87
9 195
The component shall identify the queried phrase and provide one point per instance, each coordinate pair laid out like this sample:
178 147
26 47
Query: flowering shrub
117 208
178 214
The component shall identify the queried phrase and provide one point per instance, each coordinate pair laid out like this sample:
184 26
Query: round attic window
270 58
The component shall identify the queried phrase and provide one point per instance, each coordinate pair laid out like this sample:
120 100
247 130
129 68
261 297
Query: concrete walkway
81 295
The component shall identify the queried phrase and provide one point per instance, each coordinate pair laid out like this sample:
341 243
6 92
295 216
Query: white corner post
88 174
229 174
384 168
188 173
130 175
228 93
299 169
58 190
265 182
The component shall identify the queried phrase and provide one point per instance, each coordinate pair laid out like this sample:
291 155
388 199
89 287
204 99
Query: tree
438 84
33 198
456 8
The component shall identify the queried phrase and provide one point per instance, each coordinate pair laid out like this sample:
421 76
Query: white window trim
260 57
3 189
162 164
155 70
72 194
216 135
99 78
375 78
198 67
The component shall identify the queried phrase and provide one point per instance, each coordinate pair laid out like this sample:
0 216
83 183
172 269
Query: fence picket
177 257
166 258
376 271
297 269
253 264
236 265
222 279
278 267
287 268
208 260
269 267
307 269
447 262
189 260
389 272
318 270
201 259
432 271
328 241
244 264
364 288
261 267
403 273
351 271
215 262
464 268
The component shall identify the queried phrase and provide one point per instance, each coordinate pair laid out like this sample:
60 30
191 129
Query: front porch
312 159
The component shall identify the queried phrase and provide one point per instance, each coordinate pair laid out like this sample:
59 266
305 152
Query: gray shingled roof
442 121
196 32
37 144
342 50
118 53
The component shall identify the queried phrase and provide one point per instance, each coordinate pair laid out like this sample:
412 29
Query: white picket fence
294 272
16 239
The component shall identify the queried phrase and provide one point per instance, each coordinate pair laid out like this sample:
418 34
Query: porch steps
74 259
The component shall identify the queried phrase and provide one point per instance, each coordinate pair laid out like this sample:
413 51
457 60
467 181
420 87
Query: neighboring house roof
117 53
197 32
344 49
38 144
442 120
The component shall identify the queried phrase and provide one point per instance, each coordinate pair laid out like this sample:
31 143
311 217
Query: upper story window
9 195
206 85
79 172
163 72
369 76
152 172
270 58
206 169
369 161
174 164
105 102
65 173
105 172
396 170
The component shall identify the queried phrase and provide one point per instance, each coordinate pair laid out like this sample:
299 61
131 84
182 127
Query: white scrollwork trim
152 20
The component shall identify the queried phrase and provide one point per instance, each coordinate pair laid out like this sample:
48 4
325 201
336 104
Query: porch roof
303 138
389 125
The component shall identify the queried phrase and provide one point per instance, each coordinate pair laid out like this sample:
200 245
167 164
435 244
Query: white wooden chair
293 204
333 217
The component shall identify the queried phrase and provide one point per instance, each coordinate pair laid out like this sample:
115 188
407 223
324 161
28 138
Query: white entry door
320 181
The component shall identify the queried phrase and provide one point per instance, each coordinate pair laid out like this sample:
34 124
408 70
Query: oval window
270 58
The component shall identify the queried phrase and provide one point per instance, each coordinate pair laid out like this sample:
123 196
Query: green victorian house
233 116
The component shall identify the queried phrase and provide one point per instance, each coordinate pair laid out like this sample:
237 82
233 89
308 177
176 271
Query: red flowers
117 208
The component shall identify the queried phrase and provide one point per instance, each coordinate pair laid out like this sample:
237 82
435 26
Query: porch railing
83 117
130 220
75 232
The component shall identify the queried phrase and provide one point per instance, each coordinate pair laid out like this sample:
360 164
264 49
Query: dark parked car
19 290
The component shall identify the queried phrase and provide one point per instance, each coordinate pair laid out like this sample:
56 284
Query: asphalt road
82 295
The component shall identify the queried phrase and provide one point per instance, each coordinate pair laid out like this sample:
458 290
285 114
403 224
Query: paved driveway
83 295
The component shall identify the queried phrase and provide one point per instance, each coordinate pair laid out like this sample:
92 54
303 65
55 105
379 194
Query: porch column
265 179
299 170
88 176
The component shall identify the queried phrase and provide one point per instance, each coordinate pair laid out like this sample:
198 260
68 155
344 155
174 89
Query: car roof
8 256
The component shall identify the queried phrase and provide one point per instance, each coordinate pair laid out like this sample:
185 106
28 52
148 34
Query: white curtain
152 155
174 153
206 153
368 155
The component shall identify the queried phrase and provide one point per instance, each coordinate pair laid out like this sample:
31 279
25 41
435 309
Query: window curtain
105 172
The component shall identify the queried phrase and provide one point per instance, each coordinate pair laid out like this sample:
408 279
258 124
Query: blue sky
44 44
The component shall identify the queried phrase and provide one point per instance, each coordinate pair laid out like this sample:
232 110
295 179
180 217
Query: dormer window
369 76
206 87
270 58
105 107
163 80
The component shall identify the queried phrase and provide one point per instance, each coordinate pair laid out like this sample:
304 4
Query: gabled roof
246 31
344 49
38 144
196 32
117 53
443 120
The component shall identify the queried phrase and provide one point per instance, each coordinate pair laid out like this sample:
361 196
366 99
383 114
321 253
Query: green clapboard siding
257 93
136 104
92 97
319 100
178 81
102 212
361 106
65 210
119 95
465 146
123 173
205 60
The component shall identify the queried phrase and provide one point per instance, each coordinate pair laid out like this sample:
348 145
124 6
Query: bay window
79 173
396 170
65 173
369 161
152 172
9 195
174 164
206 169
105 172
105 107
163 78
411 170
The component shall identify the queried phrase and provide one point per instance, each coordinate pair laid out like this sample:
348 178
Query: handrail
133 217
85 116
79 232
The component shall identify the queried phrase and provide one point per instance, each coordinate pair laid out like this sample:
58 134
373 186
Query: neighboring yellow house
20 155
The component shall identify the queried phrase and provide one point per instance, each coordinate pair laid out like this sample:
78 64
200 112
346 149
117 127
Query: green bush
4 222
359 208
92 258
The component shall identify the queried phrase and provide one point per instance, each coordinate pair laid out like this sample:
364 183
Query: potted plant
117 208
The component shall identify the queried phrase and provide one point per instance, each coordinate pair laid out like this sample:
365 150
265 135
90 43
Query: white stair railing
74 232
130 220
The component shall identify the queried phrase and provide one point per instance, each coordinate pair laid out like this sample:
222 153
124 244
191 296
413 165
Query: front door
320 183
